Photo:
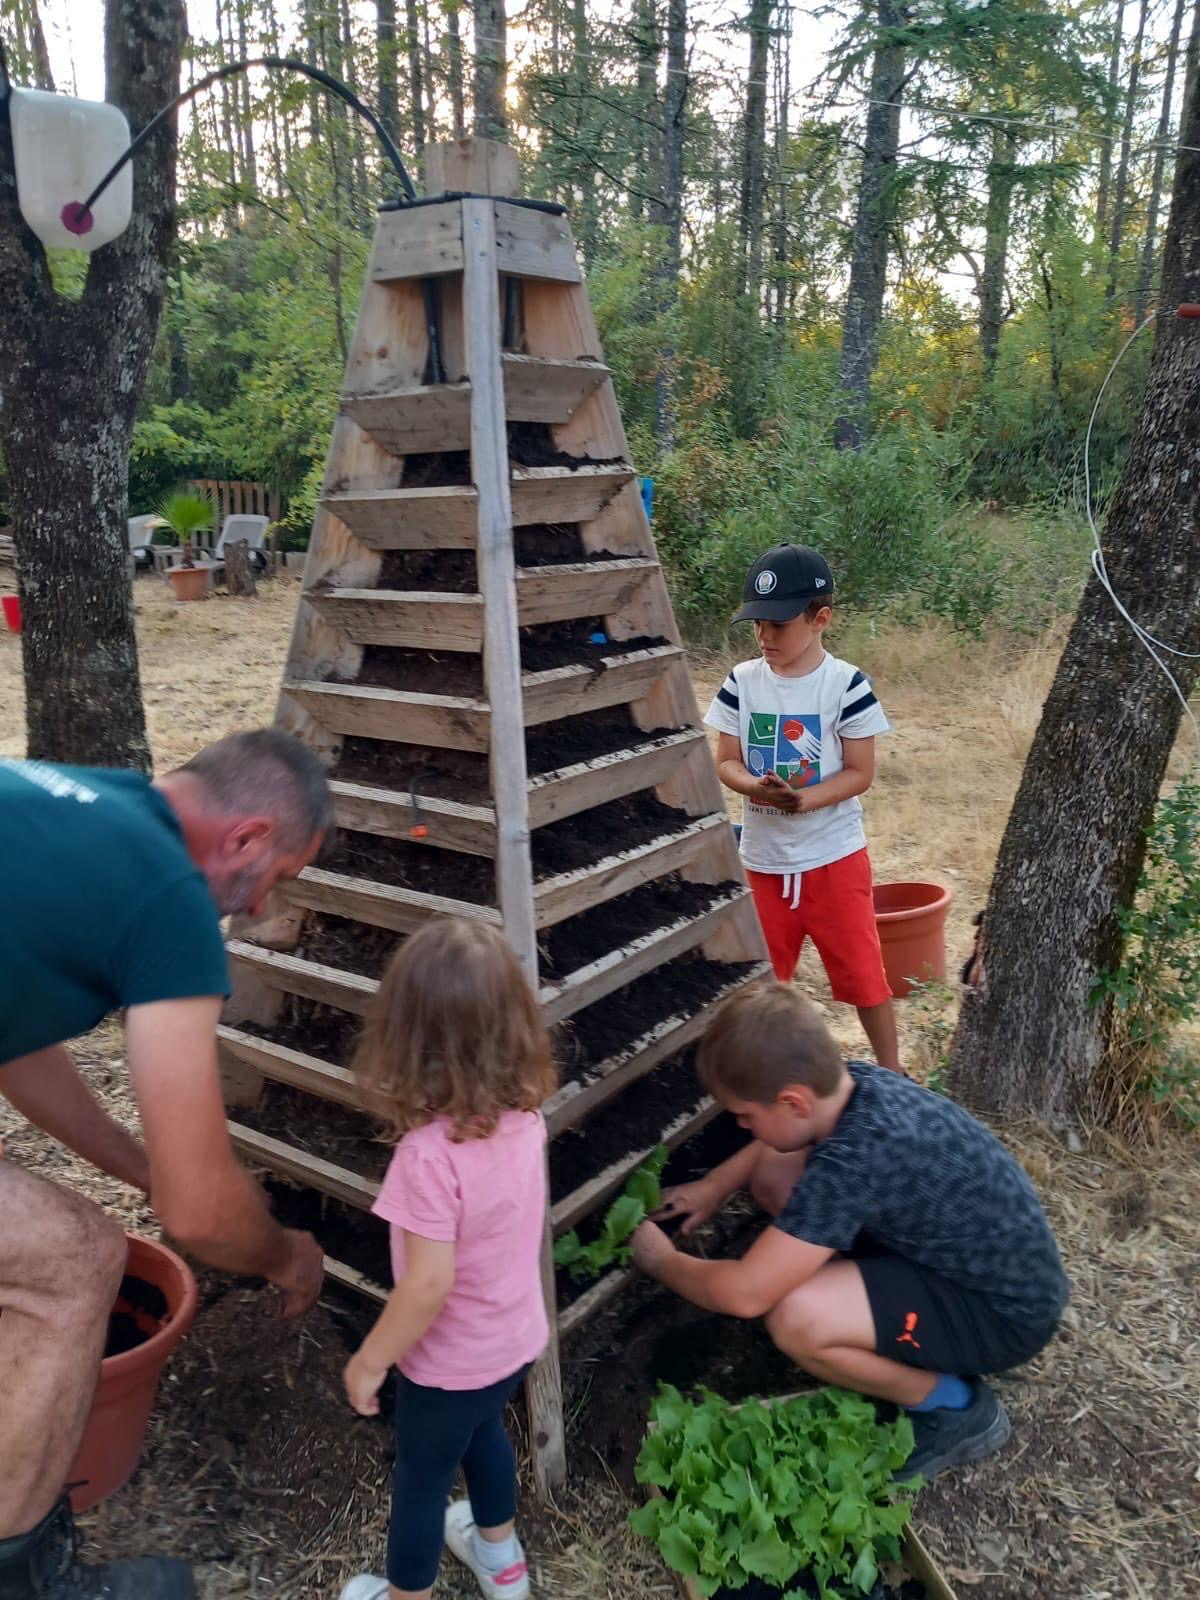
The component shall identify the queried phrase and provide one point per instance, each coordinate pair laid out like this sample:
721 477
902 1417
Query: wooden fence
235 497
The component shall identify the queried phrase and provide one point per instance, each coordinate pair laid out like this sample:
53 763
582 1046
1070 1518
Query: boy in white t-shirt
797 740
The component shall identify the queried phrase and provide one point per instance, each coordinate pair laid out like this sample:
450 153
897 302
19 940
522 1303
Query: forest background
859 269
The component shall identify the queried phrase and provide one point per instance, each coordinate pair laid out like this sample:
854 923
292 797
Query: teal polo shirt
101 907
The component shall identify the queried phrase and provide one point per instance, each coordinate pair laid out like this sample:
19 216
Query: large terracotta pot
911 918
189 583
116 1428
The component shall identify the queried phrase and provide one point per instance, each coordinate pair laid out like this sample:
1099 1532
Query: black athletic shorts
924 1320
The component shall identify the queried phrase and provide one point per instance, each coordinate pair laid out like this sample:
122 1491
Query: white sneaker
510 1584
365 1587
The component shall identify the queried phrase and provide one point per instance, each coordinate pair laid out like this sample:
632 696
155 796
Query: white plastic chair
140 532
238 527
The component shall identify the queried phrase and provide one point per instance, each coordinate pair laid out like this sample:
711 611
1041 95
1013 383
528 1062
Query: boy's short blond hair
763 1038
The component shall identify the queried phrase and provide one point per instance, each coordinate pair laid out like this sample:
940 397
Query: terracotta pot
189 583
911 918
11 604
116 1428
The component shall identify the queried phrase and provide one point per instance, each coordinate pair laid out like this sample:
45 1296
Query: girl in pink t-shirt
456 1060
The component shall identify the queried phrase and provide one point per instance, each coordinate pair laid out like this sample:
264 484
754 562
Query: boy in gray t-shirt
909 1252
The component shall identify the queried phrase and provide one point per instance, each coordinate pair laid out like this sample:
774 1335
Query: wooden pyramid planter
485 654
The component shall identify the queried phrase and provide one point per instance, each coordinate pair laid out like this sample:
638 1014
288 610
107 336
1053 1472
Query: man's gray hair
269 773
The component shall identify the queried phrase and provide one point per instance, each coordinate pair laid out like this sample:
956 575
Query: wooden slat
622 966
389 813
440 720
289 1162
350 1278
409 519
534 244
577 589
563 494
413 619
284 1065
470 165
382 905
420 243
574 1101
555 899
541 390
572 1208
595 1299
613 681
331 986
554 795
407 421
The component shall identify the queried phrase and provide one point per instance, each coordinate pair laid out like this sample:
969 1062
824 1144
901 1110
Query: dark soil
542 544
681 988
632 1122
607 830
137 1315
315 1029
584 938
531 444
462 775
342 942
321 1128
437 470
344 1232
757 1589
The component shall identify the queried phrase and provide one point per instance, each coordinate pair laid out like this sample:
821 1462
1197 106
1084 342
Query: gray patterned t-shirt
918 1177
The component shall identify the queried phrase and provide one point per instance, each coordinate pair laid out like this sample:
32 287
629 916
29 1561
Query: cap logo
820 582
765 581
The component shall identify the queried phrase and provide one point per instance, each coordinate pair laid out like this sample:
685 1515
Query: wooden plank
613 971
389 813
284 1065
415 619
563 494
289 1162
540 390
595 1299
555 899
408 421
331 986
471 165
612 681
409 519
420 243
569 790
574 1101
534 244
501 649
383 905
350 1278
440 720
577 589
572 1208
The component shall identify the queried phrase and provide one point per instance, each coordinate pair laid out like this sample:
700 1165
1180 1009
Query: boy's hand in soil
300 1279
363 1384
650 1246
694 1202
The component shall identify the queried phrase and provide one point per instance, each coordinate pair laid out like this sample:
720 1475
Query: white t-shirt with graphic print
795 727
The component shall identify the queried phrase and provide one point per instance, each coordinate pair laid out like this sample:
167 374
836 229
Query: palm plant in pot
187 514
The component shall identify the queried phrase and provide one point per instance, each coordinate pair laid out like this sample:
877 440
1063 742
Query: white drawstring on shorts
791 885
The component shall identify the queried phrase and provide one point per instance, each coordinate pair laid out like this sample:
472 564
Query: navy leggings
437 1430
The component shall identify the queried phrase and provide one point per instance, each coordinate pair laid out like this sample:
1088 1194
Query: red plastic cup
12 611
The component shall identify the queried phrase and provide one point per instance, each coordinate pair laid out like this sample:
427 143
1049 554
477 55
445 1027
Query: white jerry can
62 147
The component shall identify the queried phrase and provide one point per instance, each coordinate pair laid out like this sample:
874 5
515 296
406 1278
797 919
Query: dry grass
1095 1498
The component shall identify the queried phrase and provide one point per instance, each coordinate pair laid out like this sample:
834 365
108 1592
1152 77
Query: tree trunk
1000 178
71 373
43 78
1029 1038
249 166
648 167
491 70
1150 242
385 64
230 138
1122 190
455 53
669 215
587 218
416 87
872 224
780 243
754 124
1104 181
239 570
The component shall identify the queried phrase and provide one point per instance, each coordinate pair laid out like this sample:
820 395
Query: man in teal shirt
113 888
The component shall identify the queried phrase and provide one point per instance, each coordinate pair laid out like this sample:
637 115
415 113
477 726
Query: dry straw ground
257 1472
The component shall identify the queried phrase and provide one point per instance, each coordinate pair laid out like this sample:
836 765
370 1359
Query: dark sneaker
947 1438
42 1565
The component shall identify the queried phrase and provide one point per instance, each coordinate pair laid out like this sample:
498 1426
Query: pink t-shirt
488 1198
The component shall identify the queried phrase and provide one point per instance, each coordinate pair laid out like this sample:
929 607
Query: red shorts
837 911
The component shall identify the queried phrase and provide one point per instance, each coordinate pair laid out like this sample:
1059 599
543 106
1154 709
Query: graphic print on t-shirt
789 745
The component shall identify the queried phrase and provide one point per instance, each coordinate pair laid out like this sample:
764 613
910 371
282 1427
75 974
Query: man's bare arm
200 1193
46 1088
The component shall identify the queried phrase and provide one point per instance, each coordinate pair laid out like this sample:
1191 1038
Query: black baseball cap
783 582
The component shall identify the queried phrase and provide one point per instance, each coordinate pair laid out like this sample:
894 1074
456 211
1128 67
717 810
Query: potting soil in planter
756 1589
138 1314
343 1232
541 544
312 1028
322 1128
634 1121
574 944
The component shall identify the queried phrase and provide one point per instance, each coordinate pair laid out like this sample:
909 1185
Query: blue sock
947 1394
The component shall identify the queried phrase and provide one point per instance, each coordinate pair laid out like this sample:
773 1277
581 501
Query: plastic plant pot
911 918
